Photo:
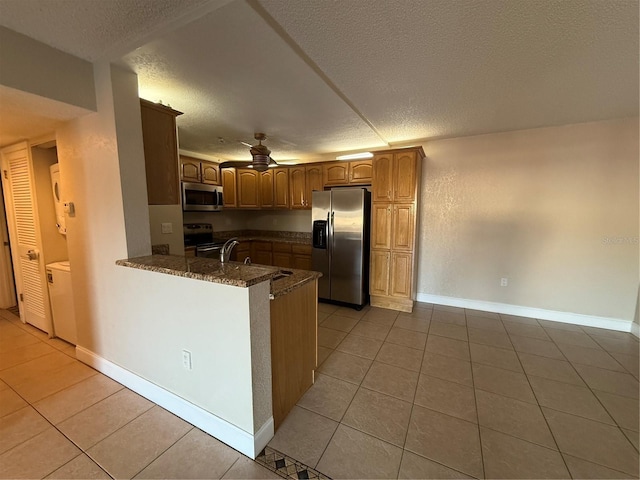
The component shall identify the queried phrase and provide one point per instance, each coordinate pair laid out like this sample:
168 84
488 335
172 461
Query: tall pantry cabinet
394 213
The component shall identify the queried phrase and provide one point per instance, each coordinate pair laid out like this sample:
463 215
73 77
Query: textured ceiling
324 76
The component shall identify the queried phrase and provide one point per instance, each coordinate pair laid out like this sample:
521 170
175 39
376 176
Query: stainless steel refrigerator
340 229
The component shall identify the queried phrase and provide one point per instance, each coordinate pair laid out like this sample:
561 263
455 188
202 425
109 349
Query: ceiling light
355 156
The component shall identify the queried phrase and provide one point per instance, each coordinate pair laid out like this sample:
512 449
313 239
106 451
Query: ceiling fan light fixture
261 162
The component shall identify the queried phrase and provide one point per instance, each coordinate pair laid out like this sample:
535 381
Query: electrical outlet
186 360
504 281
166 227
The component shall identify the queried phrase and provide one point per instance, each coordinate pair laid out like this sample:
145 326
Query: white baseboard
635 329
244 442
539 313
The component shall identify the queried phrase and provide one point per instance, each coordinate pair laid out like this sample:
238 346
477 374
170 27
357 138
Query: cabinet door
379 274
335 173
313 175
210 173
404 177
266 189
160 145
189 169
381 225
302 262
297 187
403 227
241 251
248 180
229 187
282 260
360 172
401 275
281 187
261 253
382 183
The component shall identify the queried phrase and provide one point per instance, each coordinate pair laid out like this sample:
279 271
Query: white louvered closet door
23 231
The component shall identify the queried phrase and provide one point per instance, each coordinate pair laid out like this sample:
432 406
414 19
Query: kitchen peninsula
244 341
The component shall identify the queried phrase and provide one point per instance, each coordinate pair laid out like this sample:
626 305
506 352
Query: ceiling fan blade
236 163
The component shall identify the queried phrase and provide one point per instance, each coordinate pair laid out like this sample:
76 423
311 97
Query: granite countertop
231 273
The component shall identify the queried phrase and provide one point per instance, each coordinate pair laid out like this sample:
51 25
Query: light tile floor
440 393
453 393
62 419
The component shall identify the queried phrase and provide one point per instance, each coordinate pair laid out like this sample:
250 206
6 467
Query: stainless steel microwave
198 197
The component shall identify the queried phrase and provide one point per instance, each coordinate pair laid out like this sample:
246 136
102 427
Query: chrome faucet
225 252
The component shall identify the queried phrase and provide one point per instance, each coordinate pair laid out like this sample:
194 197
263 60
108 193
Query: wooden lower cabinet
391 280
301 256
294 347
261 253
400 275
282 255
241 251
379 274
277 254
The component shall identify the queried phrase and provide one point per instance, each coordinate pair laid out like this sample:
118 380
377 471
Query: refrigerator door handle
330 235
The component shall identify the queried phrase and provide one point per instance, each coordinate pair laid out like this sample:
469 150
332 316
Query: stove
200 235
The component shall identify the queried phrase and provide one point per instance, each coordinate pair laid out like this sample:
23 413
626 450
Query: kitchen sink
282 274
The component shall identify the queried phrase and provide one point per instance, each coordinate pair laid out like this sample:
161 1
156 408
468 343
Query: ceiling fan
261 156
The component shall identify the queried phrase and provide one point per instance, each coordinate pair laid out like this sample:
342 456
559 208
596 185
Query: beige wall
141 321
555 210
32 66
159 214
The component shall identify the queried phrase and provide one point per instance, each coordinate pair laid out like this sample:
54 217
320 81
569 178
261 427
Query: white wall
555 210
159 214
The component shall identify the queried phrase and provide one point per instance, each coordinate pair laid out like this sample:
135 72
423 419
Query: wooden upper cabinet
229 187
248 181
335 173
266 189
297 187
382 184
360 172
281 187
160 144
404 177
313 174
394 177
210 173
199 171
347 173
307 179
189 169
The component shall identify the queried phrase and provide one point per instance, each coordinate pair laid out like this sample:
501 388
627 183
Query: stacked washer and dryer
59 274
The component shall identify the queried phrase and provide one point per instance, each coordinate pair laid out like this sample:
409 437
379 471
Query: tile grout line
424 352
475 399
546 421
